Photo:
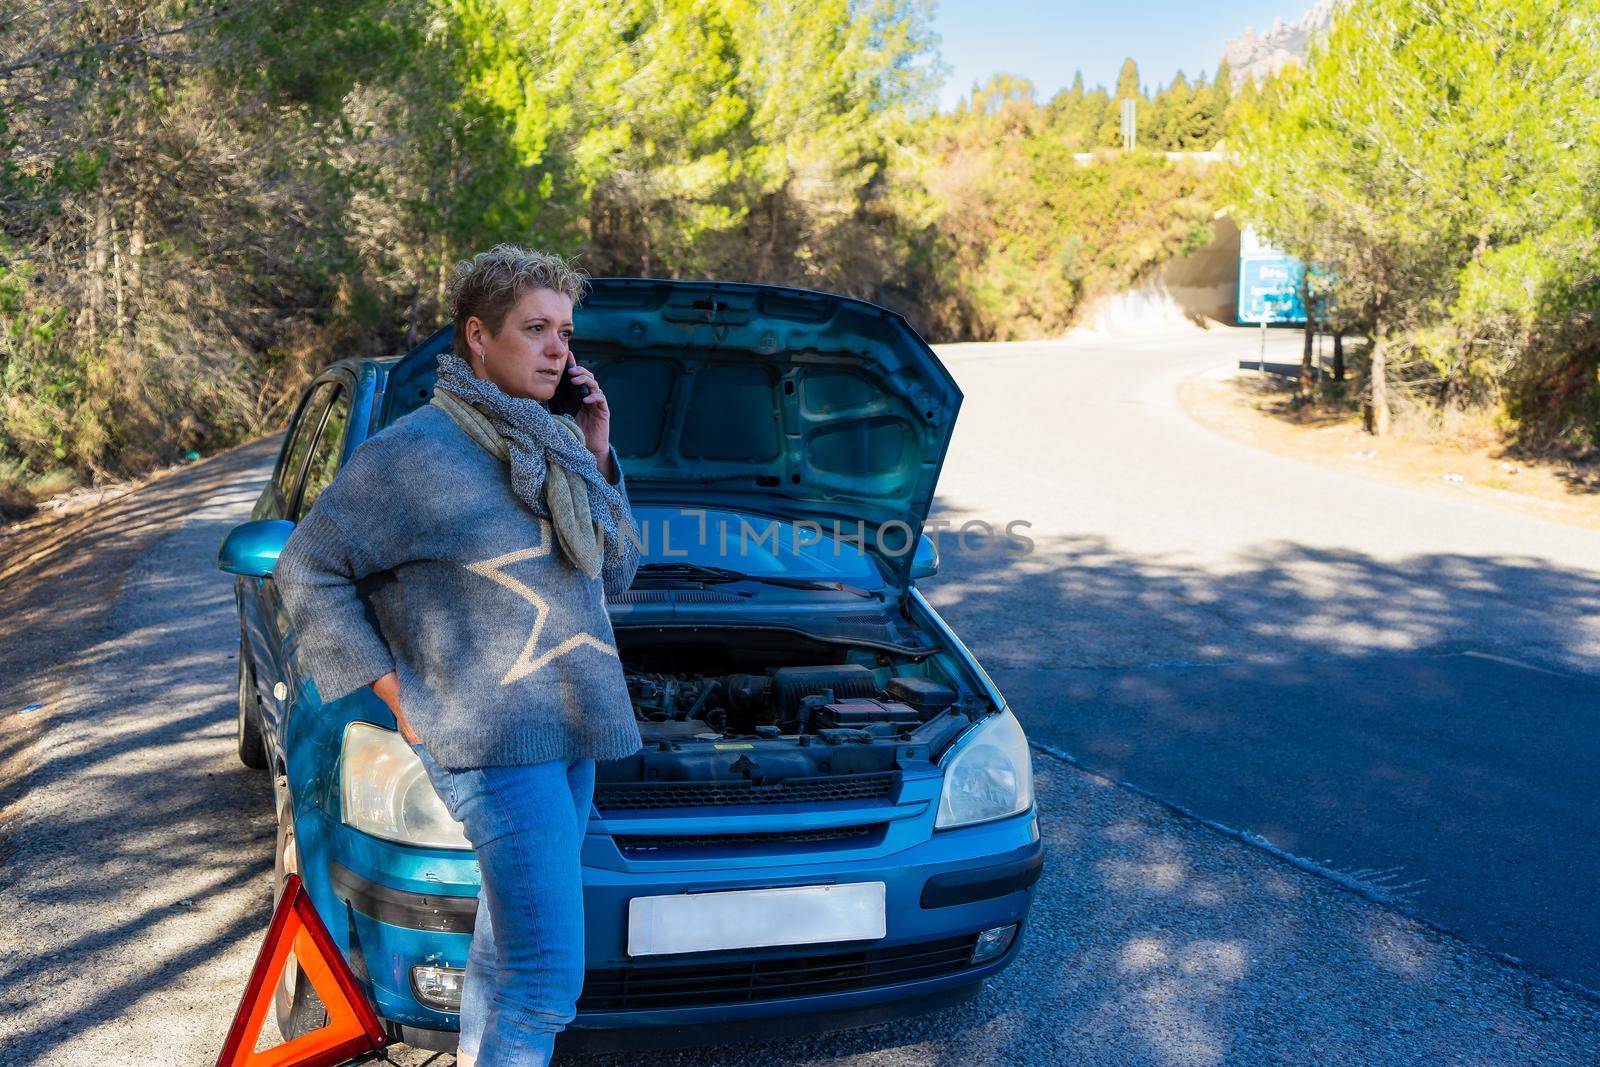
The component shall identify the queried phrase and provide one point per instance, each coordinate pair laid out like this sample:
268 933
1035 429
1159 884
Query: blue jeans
525 966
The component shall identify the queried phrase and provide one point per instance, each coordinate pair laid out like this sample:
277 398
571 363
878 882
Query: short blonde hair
489 284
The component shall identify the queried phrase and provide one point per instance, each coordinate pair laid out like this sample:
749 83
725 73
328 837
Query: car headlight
987 775
387 792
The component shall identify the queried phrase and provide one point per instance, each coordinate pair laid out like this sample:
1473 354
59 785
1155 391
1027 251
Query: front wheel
252 746
295 1002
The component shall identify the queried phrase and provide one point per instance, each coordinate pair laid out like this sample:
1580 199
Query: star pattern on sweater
527 661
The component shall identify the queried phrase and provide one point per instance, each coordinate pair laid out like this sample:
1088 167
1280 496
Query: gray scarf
534 439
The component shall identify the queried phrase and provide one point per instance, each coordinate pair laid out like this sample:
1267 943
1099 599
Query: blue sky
1045 42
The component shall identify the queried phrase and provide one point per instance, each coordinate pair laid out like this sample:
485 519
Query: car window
325 455
302 432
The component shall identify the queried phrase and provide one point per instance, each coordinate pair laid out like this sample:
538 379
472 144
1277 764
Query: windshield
751 544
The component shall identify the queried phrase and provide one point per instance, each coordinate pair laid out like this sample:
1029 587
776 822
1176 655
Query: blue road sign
1269 283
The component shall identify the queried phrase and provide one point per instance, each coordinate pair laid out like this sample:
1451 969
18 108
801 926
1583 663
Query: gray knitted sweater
503 648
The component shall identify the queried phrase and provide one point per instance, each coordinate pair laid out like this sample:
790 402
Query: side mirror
925 561
252 549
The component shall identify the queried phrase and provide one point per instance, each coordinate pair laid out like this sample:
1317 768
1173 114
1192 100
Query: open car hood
756 398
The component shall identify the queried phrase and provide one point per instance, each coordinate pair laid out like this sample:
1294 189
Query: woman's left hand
594 418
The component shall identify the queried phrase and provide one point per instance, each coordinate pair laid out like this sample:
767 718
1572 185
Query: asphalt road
1204 622
1397 685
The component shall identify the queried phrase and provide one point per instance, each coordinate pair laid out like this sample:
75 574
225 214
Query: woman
499 528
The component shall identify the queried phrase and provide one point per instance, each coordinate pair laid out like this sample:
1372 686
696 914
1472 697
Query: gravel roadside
139 854
60 576
1257 412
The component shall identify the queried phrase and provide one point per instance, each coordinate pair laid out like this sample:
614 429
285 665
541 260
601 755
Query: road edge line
1338 878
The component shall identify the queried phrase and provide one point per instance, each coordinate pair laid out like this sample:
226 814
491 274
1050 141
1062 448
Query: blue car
831 822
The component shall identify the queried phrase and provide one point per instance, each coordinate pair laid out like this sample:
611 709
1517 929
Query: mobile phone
568 398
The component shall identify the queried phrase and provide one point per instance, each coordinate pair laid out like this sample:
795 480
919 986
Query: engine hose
711 686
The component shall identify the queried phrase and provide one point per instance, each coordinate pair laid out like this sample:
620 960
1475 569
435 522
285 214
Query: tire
298 1008
252 746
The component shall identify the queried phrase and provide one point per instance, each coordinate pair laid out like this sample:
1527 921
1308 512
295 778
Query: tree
1127 89
1197 126
1027 234
1128 81
1222 90
1075 114
1242 101
1171 114
1421 141
165 204
203 202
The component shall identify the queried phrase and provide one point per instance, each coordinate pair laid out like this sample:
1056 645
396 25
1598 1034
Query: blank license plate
755 918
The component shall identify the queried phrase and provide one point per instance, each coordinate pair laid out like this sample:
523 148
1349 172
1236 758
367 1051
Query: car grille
632 844
633 796
651 986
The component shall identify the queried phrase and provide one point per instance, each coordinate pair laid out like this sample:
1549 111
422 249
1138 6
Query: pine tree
1128 81
1171 124
1222 89
1127 89
1439 162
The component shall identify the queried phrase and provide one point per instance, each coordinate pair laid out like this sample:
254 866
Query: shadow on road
1425 726
1078 601
137 852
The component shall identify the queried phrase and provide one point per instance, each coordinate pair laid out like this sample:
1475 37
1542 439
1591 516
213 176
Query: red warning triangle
352 1031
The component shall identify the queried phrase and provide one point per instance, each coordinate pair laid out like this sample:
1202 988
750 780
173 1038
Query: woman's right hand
388 690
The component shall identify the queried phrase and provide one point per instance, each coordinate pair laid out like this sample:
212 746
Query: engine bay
789 700
726 704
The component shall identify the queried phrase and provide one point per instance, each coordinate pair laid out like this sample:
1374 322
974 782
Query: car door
326 424
255 601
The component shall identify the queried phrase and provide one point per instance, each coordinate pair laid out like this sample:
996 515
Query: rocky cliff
1257 55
